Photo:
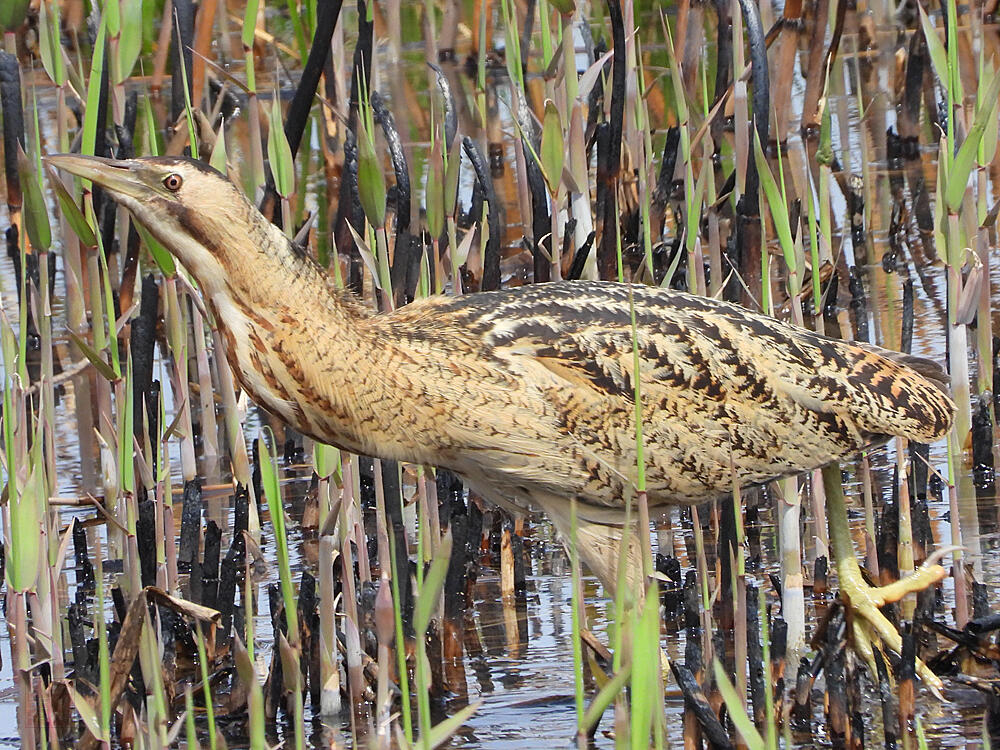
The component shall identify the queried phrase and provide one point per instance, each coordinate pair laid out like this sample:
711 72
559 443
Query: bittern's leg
599 546
870 626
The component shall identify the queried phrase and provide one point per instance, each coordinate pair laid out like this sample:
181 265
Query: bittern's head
194 211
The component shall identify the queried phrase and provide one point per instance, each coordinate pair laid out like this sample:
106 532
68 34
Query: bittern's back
537 392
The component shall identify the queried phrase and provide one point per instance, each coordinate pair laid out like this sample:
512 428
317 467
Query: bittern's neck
297 344
242 260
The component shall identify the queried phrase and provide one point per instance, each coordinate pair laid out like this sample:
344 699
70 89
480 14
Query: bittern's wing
722 389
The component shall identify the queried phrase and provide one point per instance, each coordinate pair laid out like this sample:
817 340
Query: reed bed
233 583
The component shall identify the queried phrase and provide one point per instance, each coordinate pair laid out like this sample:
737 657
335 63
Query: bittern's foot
870 627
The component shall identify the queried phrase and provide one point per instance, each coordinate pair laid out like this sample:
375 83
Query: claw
863 644
923 577
870 627
870 624
939 554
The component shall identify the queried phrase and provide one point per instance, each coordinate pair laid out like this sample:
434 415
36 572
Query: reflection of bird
529 394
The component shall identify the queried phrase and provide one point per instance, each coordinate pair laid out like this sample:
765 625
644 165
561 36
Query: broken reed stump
801 711
190 535
755 654
671 591
125 650
906 688
698 709
837 717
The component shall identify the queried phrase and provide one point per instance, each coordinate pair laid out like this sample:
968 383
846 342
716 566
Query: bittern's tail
902 395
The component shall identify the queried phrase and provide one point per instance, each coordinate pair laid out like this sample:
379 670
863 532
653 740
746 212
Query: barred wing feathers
721 388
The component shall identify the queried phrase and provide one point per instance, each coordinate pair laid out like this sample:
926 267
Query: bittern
529 394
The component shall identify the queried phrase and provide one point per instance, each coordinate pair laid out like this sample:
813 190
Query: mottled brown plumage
528 393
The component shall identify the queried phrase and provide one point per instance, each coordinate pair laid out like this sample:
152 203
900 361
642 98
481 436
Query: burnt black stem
697 703
605 202
856 209
838 724
801 713
182 43
104 208
491 257
755 654
907 681
617 114
210 565
187 551
724 48
399 165
580 257
394 513
607 253
727 549
760 81
526 36
888 700
906 334
229 573
349 210
540 221
361 73
747 250
916 67
981 437
859 304
406 255
665 179
779 651
887 540
141 344
145 532
450 113
327 13
13 125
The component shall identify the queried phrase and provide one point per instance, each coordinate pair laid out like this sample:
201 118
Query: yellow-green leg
870 627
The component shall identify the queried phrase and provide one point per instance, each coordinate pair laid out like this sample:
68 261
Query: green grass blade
129 38
961 167
90 124
36 215
736 711
430 592
776 202
279 153
441 733
552 147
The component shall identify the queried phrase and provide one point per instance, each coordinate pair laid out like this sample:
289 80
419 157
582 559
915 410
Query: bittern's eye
172 182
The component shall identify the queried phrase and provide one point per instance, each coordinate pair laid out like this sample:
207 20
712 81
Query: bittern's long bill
528 394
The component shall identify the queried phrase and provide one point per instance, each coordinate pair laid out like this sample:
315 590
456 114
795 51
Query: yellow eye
173 182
